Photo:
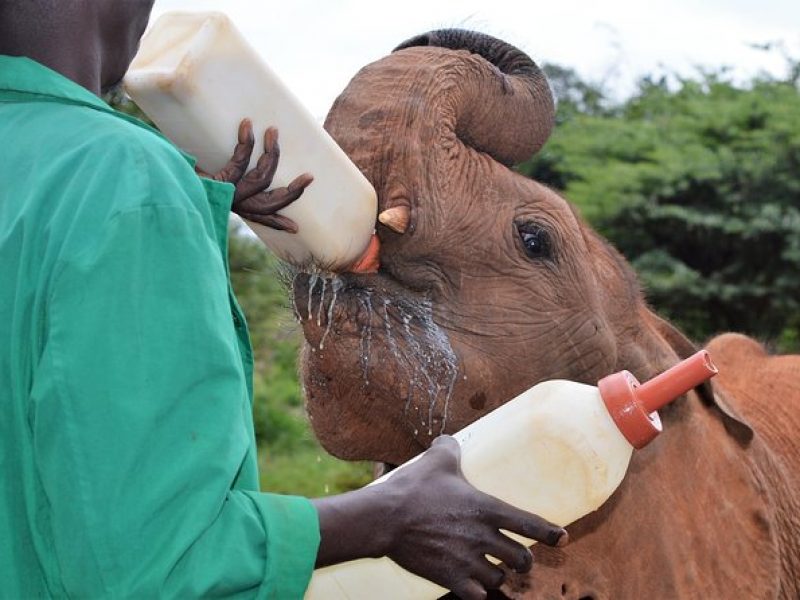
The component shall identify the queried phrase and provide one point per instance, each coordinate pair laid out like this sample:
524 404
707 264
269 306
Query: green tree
698 184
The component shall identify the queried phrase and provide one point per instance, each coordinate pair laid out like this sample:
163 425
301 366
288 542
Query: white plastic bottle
558 450
196 77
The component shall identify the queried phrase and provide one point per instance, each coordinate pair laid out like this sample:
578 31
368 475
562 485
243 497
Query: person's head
89 41
122 23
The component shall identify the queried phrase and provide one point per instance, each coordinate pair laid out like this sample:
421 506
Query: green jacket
127 451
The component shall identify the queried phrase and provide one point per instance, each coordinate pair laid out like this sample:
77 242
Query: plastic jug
196 77
559 450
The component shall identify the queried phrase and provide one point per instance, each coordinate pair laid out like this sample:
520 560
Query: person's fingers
445 441
283 197
281 223
526 524
278 222
445 451
469 589
267 203
233 171
246 142
268 161
447 445
264 203
260 178
301 182
516 556
488 575
245 133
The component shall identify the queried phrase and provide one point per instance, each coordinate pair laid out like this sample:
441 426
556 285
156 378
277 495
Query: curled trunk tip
510 122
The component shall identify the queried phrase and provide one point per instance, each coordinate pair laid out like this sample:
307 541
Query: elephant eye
535 240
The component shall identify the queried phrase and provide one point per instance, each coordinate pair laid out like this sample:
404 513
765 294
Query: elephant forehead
405 105
396 91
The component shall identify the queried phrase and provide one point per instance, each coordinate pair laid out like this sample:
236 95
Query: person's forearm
354 525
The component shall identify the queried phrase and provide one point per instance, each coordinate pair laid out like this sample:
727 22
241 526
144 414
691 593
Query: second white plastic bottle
558 450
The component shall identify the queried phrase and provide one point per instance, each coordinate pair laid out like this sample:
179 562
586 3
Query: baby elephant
490 283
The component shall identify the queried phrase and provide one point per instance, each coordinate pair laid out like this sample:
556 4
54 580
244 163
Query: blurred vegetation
697 183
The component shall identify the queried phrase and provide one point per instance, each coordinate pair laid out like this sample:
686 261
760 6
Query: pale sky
316 46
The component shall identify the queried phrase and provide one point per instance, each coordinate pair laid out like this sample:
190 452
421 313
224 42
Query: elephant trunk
509 114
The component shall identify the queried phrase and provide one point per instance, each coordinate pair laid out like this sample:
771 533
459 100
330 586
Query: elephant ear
712 395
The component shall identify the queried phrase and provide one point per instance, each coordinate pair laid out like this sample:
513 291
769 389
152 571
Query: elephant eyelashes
535 240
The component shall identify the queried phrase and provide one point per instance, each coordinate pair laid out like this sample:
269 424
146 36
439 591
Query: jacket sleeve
140 418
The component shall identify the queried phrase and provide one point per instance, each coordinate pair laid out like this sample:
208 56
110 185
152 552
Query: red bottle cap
633 405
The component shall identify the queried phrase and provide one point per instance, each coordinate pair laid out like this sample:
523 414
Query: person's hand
432 522
252 200
445 527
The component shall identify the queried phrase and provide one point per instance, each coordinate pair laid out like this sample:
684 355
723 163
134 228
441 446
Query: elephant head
490 283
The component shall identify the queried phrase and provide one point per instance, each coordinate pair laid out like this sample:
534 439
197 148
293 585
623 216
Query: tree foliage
698 184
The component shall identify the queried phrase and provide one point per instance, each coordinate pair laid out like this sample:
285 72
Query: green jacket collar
22 77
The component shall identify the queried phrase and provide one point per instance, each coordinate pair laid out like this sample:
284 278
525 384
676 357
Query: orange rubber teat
633 405
370 261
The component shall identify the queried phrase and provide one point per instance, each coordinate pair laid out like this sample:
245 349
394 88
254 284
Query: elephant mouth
319 301
373 351
345 307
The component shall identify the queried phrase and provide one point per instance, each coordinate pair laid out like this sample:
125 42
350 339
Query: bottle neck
633 405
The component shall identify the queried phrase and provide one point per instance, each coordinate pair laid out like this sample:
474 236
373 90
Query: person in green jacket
126 438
